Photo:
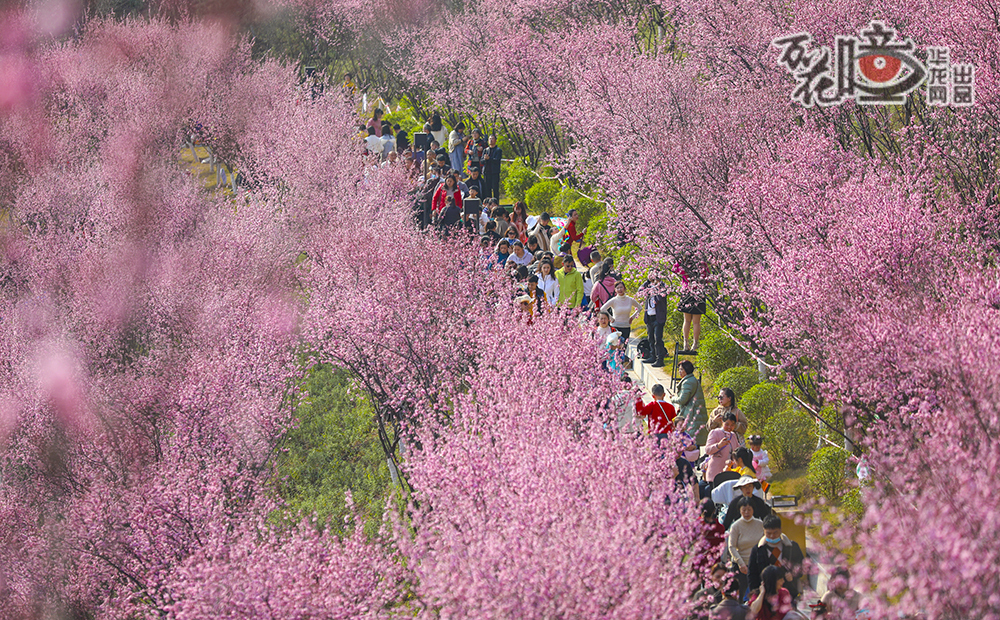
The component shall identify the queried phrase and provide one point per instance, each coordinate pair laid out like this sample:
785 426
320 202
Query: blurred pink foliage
150 333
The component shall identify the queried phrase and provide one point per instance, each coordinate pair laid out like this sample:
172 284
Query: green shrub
826 472
832 416
718 353
518 180
597 230
541 196
564 200
406 121
789 437
589 209
761 402
675 320
853 505
739 379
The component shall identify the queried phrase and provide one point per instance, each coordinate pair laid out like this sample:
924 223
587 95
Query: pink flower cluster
150 331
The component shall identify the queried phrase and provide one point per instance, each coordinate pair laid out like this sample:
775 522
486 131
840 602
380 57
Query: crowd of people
457 191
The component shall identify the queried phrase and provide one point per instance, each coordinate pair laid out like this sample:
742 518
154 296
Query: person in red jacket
659 413
572 236
449 186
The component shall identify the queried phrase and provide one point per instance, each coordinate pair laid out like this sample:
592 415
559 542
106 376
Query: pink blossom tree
152 332
527 505
852 245
149 336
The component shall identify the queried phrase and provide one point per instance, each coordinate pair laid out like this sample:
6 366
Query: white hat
744 480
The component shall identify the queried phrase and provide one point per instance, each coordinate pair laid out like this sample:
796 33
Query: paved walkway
645 376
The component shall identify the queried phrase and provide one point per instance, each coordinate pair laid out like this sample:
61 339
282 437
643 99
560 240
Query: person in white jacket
547 282
761 459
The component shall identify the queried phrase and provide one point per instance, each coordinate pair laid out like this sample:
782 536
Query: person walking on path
690 402
475 180
456 146
727 404
573 236
375 122
543 231
437 129
474 150
659 413
491 168
570 284
448 188
624 309
720 446
744 535
548 283
771 601
730 607
746 486
604 284
776 549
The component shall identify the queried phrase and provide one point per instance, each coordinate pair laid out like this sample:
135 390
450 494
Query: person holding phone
721 444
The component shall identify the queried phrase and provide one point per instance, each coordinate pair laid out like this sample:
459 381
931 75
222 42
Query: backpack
644 348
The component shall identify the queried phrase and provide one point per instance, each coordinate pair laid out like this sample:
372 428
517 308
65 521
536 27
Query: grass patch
790 482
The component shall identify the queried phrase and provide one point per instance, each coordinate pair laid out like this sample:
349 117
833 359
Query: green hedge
853 504
826 472
739 379
761 402
789 437
542 195
518 180
718 353
564 200
589 209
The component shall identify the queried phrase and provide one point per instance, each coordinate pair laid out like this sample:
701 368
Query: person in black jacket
476 181
655 316
776 549
746 485
424 197
402 138
451 216
491 169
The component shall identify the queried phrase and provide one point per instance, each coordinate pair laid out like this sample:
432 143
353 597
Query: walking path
646 376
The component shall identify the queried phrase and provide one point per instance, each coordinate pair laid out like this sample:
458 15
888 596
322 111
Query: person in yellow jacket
570 284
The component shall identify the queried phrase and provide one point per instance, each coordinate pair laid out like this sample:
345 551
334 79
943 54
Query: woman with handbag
604 286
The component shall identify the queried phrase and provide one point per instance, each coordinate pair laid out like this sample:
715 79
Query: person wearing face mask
776 549
744 535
